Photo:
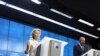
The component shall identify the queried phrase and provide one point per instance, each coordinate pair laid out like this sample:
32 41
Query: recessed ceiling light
98 29
3 3
58 12
85 22
36 1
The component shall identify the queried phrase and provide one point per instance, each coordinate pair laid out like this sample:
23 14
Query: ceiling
87 10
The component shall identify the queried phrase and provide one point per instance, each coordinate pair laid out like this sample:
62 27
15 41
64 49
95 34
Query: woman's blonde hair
36 29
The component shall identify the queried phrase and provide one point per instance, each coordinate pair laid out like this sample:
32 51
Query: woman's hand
26 52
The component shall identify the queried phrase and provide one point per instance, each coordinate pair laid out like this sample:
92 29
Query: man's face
82 40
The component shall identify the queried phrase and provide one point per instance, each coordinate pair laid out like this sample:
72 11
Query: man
81 48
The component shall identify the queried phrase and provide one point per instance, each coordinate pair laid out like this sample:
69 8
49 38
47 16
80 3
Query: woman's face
36 34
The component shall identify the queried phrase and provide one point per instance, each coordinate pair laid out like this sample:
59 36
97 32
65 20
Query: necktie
83 47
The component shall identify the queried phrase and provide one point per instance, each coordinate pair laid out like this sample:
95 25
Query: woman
32 43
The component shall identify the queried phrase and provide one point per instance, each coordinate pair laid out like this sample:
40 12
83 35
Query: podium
92 52
50 47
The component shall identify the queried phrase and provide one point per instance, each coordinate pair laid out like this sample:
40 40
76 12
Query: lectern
92 52
50 47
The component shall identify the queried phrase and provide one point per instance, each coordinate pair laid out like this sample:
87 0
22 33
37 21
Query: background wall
14 36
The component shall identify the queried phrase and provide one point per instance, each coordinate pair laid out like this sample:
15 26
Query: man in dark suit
81 48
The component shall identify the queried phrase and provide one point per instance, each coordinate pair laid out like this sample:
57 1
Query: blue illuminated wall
14 36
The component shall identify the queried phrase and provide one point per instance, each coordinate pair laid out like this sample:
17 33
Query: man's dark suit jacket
78 51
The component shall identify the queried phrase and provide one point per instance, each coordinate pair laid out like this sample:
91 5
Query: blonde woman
33 42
